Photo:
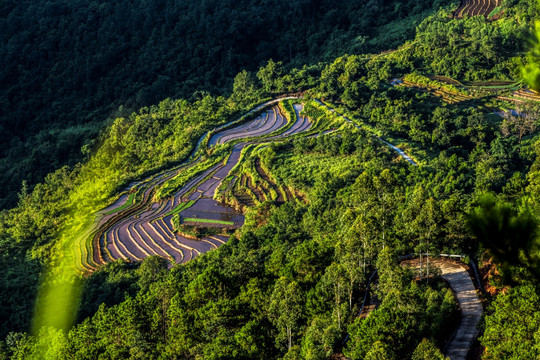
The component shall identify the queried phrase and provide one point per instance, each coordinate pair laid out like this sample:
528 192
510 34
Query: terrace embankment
476 8
140 222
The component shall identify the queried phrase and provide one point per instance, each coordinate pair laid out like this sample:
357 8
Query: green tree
320 339
512 329
427 351
245 87
152 270
522 121
392 282
380 351
285 309
531 71
269 75
352 255
335 277
510 237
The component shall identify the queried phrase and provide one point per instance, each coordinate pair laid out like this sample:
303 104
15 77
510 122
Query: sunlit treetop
531 71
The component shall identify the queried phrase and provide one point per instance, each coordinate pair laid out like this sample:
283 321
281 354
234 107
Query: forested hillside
67 66
239 207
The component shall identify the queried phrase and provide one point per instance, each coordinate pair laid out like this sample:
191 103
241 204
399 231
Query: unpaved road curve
471 309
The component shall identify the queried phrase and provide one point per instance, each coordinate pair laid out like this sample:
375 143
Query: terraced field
454 93
476 7
182 212
520 96
139 224
490 95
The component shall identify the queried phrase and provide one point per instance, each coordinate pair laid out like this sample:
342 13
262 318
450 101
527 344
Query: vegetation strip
180 208
128 203
222 222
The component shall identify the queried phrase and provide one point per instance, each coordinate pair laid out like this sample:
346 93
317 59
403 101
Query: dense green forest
66 66
289 284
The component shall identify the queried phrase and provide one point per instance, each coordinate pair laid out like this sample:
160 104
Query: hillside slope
322 202
66 66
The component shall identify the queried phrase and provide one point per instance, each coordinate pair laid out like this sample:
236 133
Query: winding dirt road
470 306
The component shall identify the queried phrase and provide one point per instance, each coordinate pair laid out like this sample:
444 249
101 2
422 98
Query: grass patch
427 83
495 11
301 171
209 221
128 203
181 207
287 109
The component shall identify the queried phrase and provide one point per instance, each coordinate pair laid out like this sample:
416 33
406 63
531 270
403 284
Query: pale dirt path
471 309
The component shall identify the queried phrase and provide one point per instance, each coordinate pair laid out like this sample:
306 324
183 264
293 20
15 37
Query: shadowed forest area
68 66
